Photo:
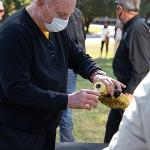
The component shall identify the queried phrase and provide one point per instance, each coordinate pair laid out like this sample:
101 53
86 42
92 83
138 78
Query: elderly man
134 131
132 60
1 11
34 59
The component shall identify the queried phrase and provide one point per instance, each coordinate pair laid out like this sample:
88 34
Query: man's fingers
110 86
88 107
92 97
91 100
93 92
119 85
84 99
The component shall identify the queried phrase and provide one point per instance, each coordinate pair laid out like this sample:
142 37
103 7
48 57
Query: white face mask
57 24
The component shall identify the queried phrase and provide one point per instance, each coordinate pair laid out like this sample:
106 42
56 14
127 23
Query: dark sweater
132 59
33 73
75 28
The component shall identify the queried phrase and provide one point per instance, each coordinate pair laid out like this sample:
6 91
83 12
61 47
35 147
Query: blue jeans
66 123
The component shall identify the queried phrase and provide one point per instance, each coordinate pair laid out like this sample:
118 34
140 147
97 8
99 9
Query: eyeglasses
1 11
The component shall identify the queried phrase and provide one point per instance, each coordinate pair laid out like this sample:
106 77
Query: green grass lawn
89 126
94 28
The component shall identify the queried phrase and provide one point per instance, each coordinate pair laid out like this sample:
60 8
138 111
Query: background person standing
132 60
76 32
105 38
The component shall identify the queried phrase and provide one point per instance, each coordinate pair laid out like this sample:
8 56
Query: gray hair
130 5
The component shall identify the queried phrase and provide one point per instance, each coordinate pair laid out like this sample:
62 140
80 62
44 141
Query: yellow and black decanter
117 101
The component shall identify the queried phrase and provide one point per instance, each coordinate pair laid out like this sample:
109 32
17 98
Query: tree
95 8
12 6
90 8
145 8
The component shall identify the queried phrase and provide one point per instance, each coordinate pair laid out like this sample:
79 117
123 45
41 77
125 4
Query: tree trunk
87 24
87 28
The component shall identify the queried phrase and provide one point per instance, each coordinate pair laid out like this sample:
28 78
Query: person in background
2 12
35 54
132 60
105 38
134 130
76 32
118 34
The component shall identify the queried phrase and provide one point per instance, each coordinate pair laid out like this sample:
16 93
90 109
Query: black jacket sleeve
79 61
139 55
15 73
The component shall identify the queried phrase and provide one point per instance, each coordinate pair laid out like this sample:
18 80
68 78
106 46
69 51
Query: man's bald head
44 11
67 6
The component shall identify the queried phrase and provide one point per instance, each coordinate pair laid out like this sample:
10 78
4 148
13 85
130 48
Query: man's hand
83 99
109 82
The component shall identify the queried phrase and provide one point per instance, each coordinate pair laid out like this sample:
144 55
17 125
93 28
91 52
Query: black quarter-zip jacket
33 73
132 60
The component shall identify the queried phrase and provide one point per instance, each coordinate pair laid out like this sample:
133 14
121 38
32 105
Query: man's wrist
98 72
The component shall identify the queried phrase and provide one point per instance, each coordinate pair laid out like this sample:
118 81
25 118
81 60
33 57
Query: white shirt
105 33
118 34
134 130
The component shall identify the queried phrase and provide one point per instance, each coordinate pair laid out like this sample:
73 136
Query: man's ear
119 8
40 3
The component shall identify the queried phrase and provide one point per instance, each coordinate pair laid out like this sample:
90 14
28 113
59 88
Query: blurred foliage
97 8
145 8
90 8
12 6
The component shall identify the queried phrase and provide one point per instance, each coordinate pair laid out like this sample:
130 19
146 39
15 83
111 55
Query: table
79 146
